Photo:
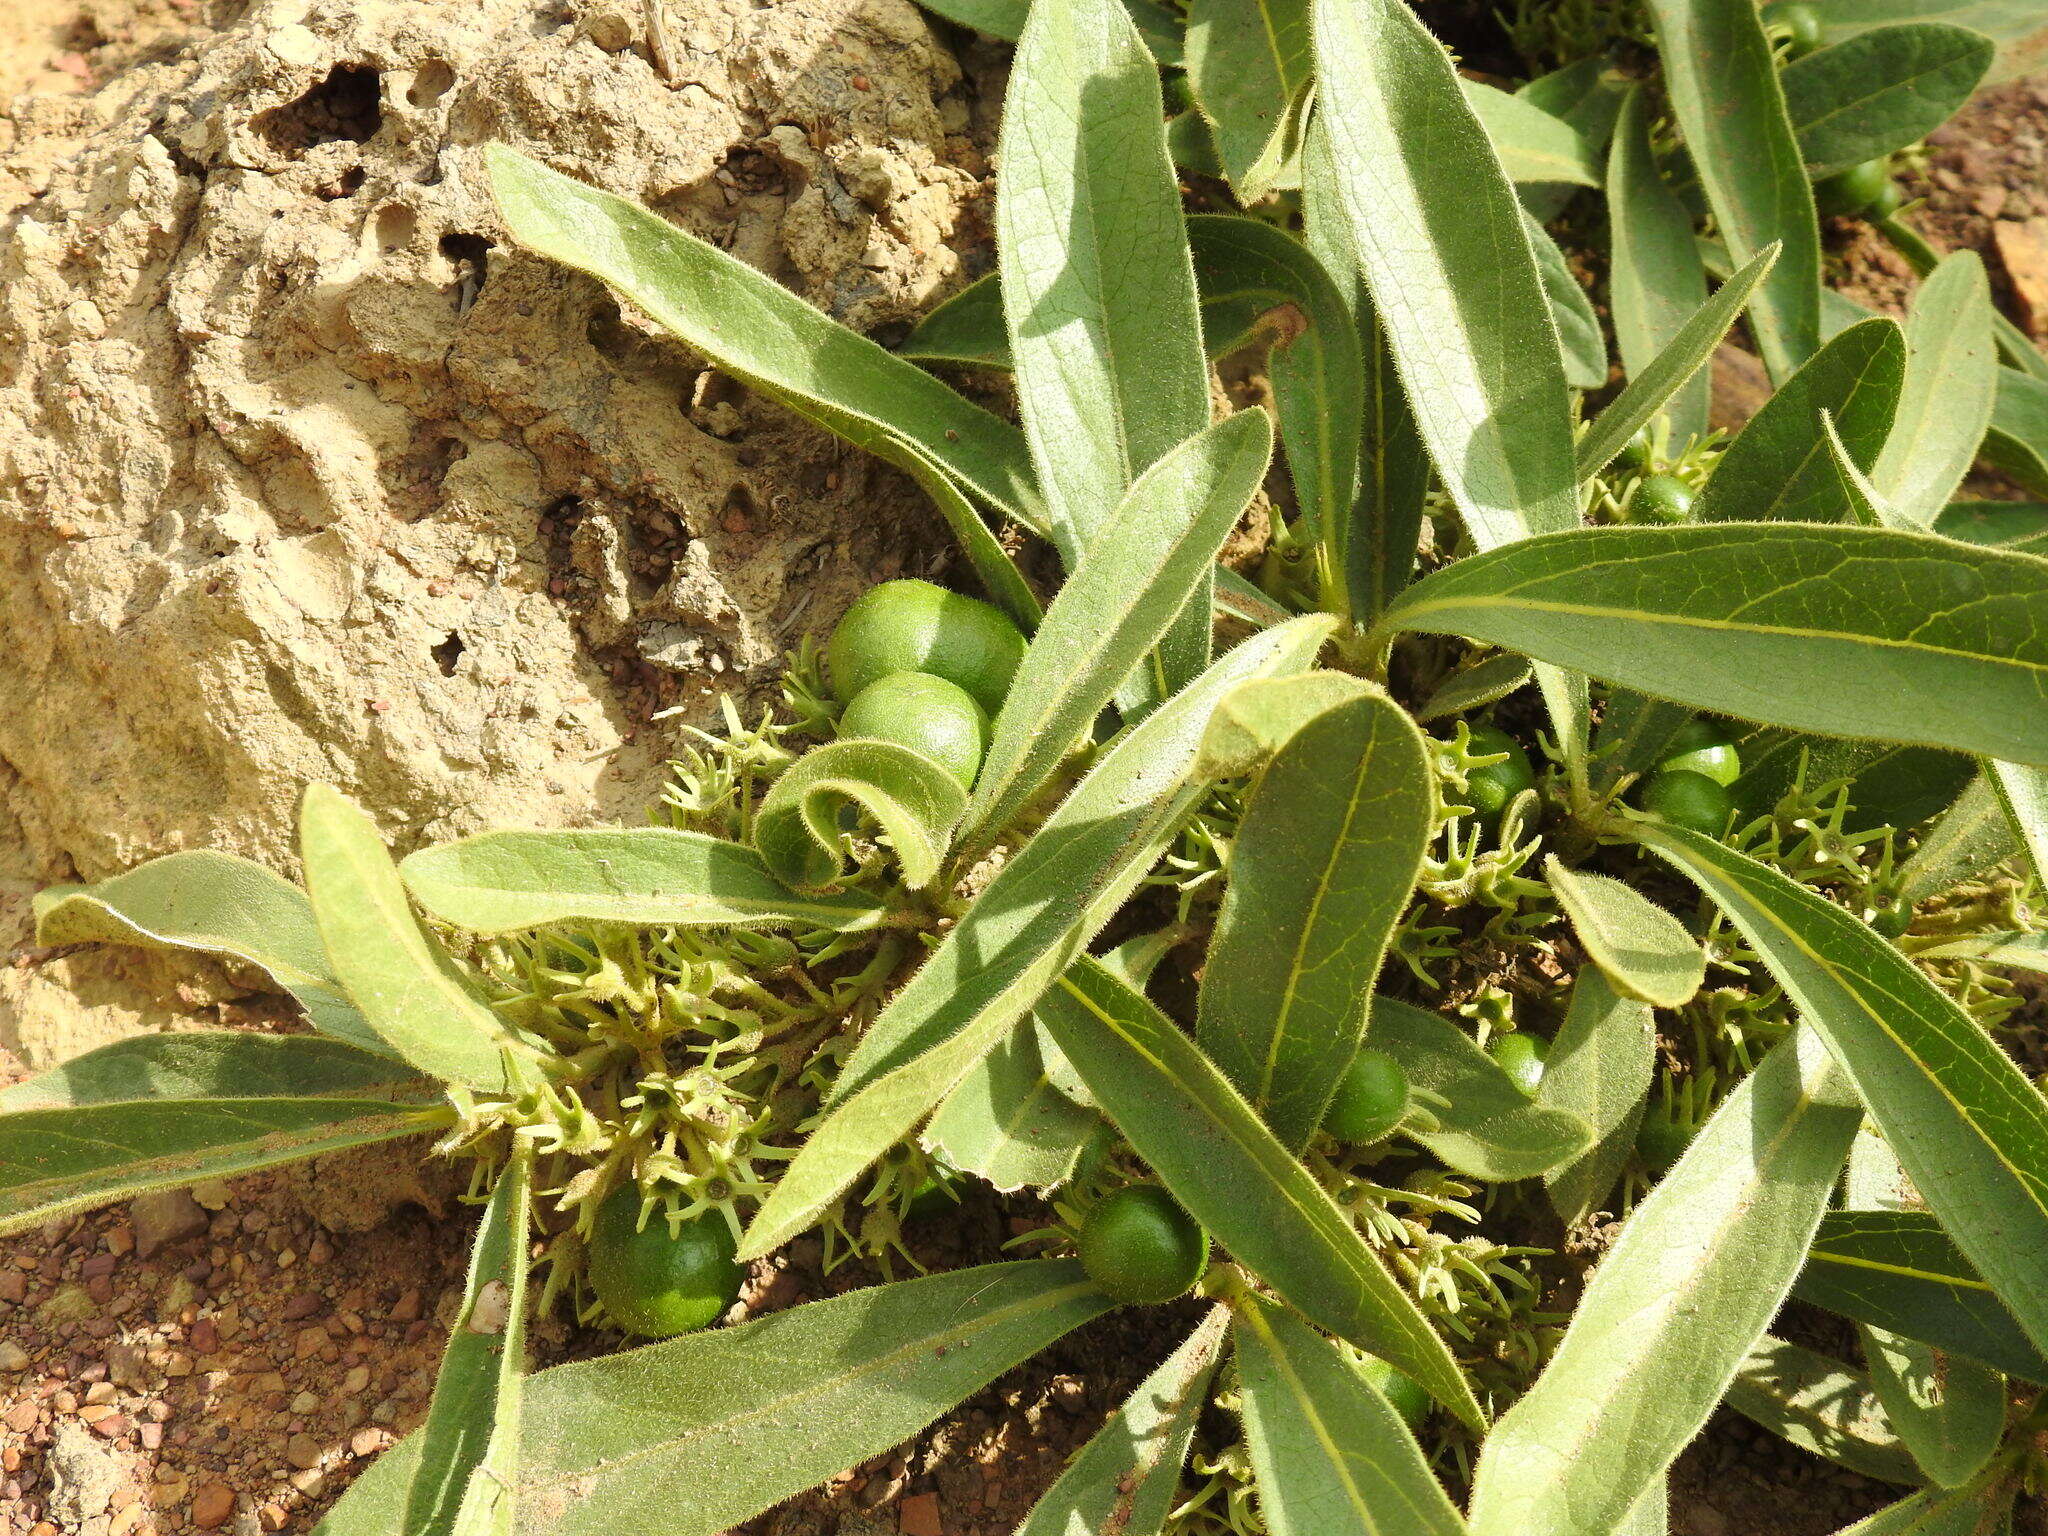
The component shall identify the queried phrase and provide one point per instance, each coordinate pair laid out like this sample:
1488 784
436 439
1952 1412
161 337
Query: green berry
1370 1101
1398 1388
926 714
1702 746
1800 25
1489 788
655 1284
1661 1141
913 626
1139 1246
1692 800
1894 918
1661 499
1521 1057
1639 452
1860 190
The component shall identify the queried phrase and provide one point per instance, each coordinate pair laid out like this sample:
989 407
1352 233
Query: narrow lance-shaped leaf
1126 1479
1845 631
1333 1457
1949 1410
1820 1405
1480 1122
1968 1127
775 343
407 988
1533 145
1599 1069
216 1064
1951 389
1973 835
2023 792
916 802
1980 1508
469 1447
1008 1123
1038 912
1182 1116
1142 569
1658 281
1582 342
1321 869
2028 951
1778 468
1485 683
1865 502
1898 1270
1880 91
1724 87
1441 243
1098 288
692 1436
502 882
1672 1311
1644 950
1249 63
217 904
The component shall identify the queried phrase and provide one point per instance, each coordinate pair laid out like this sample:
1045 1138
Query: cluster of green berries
1691 785
925 668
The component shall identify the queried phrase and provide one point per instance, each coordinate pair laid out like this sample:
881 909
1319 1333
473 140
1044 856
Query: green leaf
1865 503
1333 1457
1880 91
965 328
1951 388
406 987
502 882
1599 1069
54 1162
1724 88
1949 1411
1098 288
1778 468
2023 793
1484 683
1980 1509
1126 1479
1846 631
1249 63
2015 25
1974 835
2028 951
1822 1406
694 1435
1485 1126
1659 287
2021 526
1967 1126
1644 950
1040 910
916 802
1584 344
1182 1116
214 1064
1898 1270
469 1446
779 346
1587 94
1321 869
1142 569
1888 785
1675 1306
1442 246
1007 1123
1532 144
217 904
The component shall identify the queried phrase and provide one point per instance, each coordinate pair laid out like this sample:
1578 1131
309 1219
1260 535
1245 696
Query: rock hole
448 653
347 184
470 256
434 80
344 107
395 226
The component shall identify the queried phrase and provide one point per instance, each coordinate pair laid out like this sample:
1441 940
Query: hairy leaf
916 802
1880 91
1007 1123
1492 679
1820 1405
214 1064
1676 1305
1951 388
1846 631
1980 1508
501 882
1249 63
1182 1116
2015 26
1584 344
1533 144
1645 951
1599 1069
2019 526
1974 835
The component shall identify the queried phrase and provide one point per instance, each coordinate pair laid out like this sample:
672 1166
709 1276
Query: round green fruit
1370 1101
1639 452
1398 1388
1489 788
913 626
1861 190
1691 800
1661 499
1521 1057
1139 1246
1894 918
1702 746
926 714
656 1285
1800 25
